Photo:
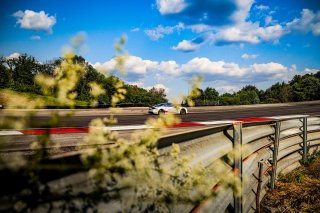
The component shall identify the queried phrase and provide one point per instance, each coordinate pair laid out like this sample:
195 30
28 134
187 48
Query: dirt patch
298 191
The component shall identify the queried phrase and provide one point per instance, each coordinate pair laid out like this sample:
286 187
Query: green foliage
279 93
296 176
249 95
300 88
305 88
18 74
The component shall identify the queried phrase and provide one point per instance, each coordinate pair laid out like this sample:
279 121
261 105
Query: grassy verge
298 191
48 100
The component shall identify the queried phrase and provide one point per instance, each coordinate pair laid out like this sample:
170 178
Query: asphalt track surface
194 116
70 142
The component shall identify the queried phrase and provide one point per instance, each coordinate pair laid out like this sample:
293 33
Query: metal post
260 164
305 140
237 148
275 154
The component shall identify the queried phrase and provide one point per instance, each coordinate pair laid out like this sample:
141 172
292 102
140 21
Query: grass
297 191
48 100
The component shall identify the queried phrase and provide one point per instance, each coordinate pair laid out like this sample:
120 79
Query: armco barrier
262 150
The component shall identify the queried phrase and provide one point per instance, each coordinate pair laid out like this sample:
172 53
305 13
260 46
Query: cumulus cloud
249 33
247 56
269 20
192 45
170 68
31 20
137 83
156 86
228 22
228 88
139 68
135 66
261 7
186 46
206 66
170 6
308 22
13 56
160 31
311 71
208 12
159 86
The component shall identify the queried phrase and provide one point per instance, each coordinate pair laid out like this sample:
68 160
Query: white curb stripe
119 128
216 122
10 132
288 116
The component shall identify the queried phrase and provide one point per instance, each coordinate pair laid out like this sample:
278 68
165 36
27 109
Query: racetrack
209 114
82 118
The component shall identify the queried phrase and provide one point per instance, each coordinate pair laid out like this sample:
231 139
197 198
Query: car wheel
183 112
161 112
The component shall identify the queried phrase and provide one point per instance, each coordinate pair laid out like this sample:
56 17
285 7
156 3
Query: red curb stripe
253 119
54 131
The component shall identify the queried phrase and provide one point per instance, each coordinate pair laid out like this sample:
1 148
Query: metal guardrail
262 150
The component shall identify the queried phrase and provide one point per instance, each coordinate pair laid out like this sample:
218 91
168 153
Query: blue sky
233 43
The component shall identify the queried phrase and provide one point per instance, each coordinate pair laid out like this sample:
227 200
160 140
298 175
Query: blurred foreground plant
131 173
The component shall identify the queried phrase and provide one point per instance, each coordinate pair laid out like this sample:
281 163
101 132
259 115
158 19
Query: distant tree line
300 88
18 74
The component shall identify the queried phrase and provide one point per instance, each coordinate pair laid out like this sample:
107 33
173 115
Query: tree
22 72
211 94
249 95
4 74
278 93
305 88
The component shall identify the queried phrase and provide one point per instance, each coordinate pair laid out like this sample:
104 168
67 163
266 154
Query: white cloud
228 89
249 33
35 37
186 46
247 56
159 86
308 22
134 66
206 66
269 20
139 68
160 31
261 7
13 56
170 6
170 68
136 29
311 71
270 70
35 20
199 28
156 86
136 83
243 8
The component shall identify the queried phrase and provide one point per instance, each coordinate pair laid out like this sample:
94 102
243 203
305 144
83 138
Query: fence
262 150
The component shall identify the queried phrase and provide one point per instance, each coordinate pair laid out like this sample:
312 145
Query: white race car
167 108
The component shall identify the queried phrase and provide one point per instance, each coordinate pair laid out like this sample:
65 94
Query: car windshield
160 105
164 104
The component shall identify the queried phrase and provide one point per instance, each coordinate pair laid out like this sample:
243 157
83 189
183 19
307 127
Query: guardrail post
305 140
275 154
260 164
237 148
